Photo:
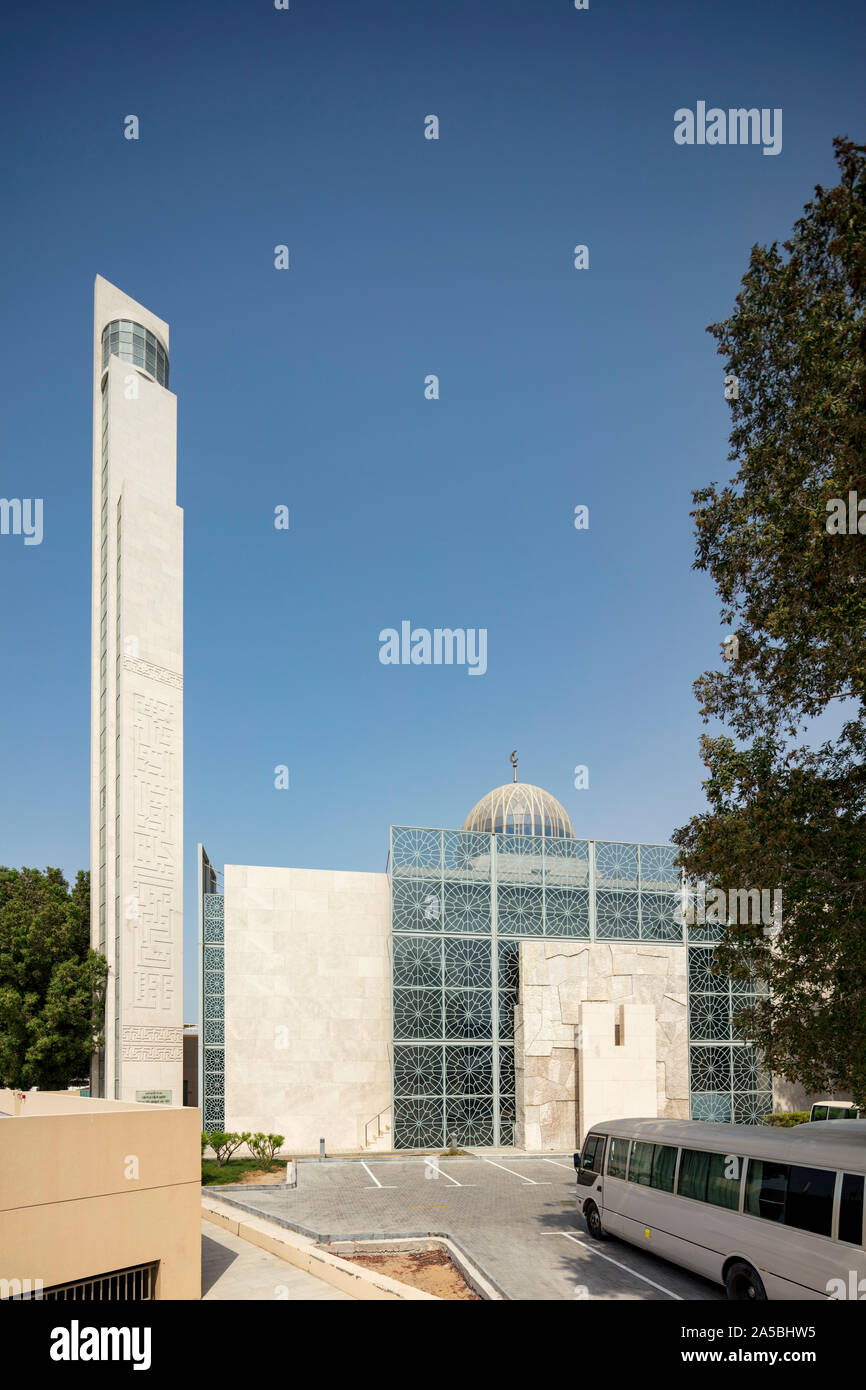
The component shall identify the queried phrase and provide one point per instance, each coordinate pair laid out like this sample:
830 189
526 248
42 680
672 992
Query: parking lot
514 1216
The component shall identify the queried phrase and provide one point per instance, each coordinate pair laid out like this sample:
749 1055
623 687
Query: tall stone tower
136 805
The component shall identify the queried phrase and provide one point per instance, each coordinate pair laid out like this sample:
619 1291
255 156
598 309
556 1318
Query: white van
834 1110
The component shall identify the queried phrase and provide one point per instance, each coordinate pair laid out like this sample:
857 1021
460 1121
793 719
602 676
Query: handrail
376 1120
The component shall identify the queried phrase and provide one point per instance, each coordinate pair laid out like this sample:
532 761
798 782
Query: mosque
505 983
501 984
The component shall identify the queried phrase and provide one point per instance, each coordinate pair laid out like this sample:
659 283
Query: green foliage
264 1146
232 1172
796 594
52 985
794 1117
223 1144
781 815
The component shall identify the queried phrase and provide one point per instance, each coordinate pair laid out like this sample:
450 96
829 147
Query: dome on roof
518 808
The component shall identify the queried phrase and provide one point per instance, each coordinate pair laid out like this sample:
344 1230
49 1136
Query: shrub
264 1146
224 1144
794 1117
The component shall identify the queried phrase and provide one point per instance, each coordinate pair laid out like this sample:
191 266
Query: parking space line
387 1185
661 1288
515 1174
569 1166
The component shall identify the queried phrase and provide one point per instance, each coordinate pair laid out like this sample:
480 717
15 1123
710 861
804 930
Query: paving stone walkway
233 1269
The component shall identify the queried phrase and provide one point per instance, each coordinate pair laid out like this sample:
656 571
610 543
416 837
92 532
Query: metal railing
380 1127
135 1284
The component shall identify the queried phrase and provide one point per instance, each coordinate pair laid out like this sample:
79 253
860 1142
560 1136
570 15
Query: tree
785 814
52 985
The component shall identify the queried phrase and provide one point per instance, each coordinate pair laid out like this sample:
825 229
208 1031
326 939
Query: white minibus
770 1213
834 1110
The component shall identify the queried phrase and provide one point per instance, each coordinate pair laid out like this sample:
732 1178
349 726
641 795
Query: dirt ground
428 1270
257 1175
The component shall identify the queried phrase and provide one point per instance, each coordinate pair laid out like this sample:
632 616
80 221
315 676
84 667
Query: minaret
136 816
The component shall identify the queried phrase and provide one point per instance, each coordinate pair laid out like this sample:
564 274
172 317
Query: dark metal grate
136 1284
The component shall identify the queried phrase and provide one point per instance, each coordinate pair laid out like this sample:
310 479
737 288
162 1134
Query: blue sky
306 388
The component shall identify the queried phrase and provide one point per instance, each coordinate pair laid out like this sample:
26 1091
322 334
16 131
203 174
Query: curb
359 1283
473 1271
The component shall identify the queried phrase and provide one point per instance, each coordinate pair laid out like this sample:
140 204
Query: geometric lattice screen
213 1009
727 1080
460 904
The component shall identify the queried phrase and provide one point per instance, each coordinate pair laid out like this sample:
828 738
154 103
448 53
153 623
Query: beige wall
87 1187
307 1004
557 978
616 1064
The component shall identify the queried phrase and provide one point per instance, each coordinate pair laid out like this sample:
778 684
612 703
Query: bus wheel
744 1283
593 1221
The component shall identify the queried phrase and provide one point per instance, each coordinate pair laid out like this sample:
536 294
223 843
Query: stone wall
307 1003
556 979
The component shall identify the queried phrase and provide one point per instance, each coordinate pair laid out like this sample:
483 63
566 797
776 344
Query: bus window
713 1178
640 1163
809 1204
652 1165
819 1112
851 1209
766 1184
591 1160
664 1167
593 1153
796 1196
617 1158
